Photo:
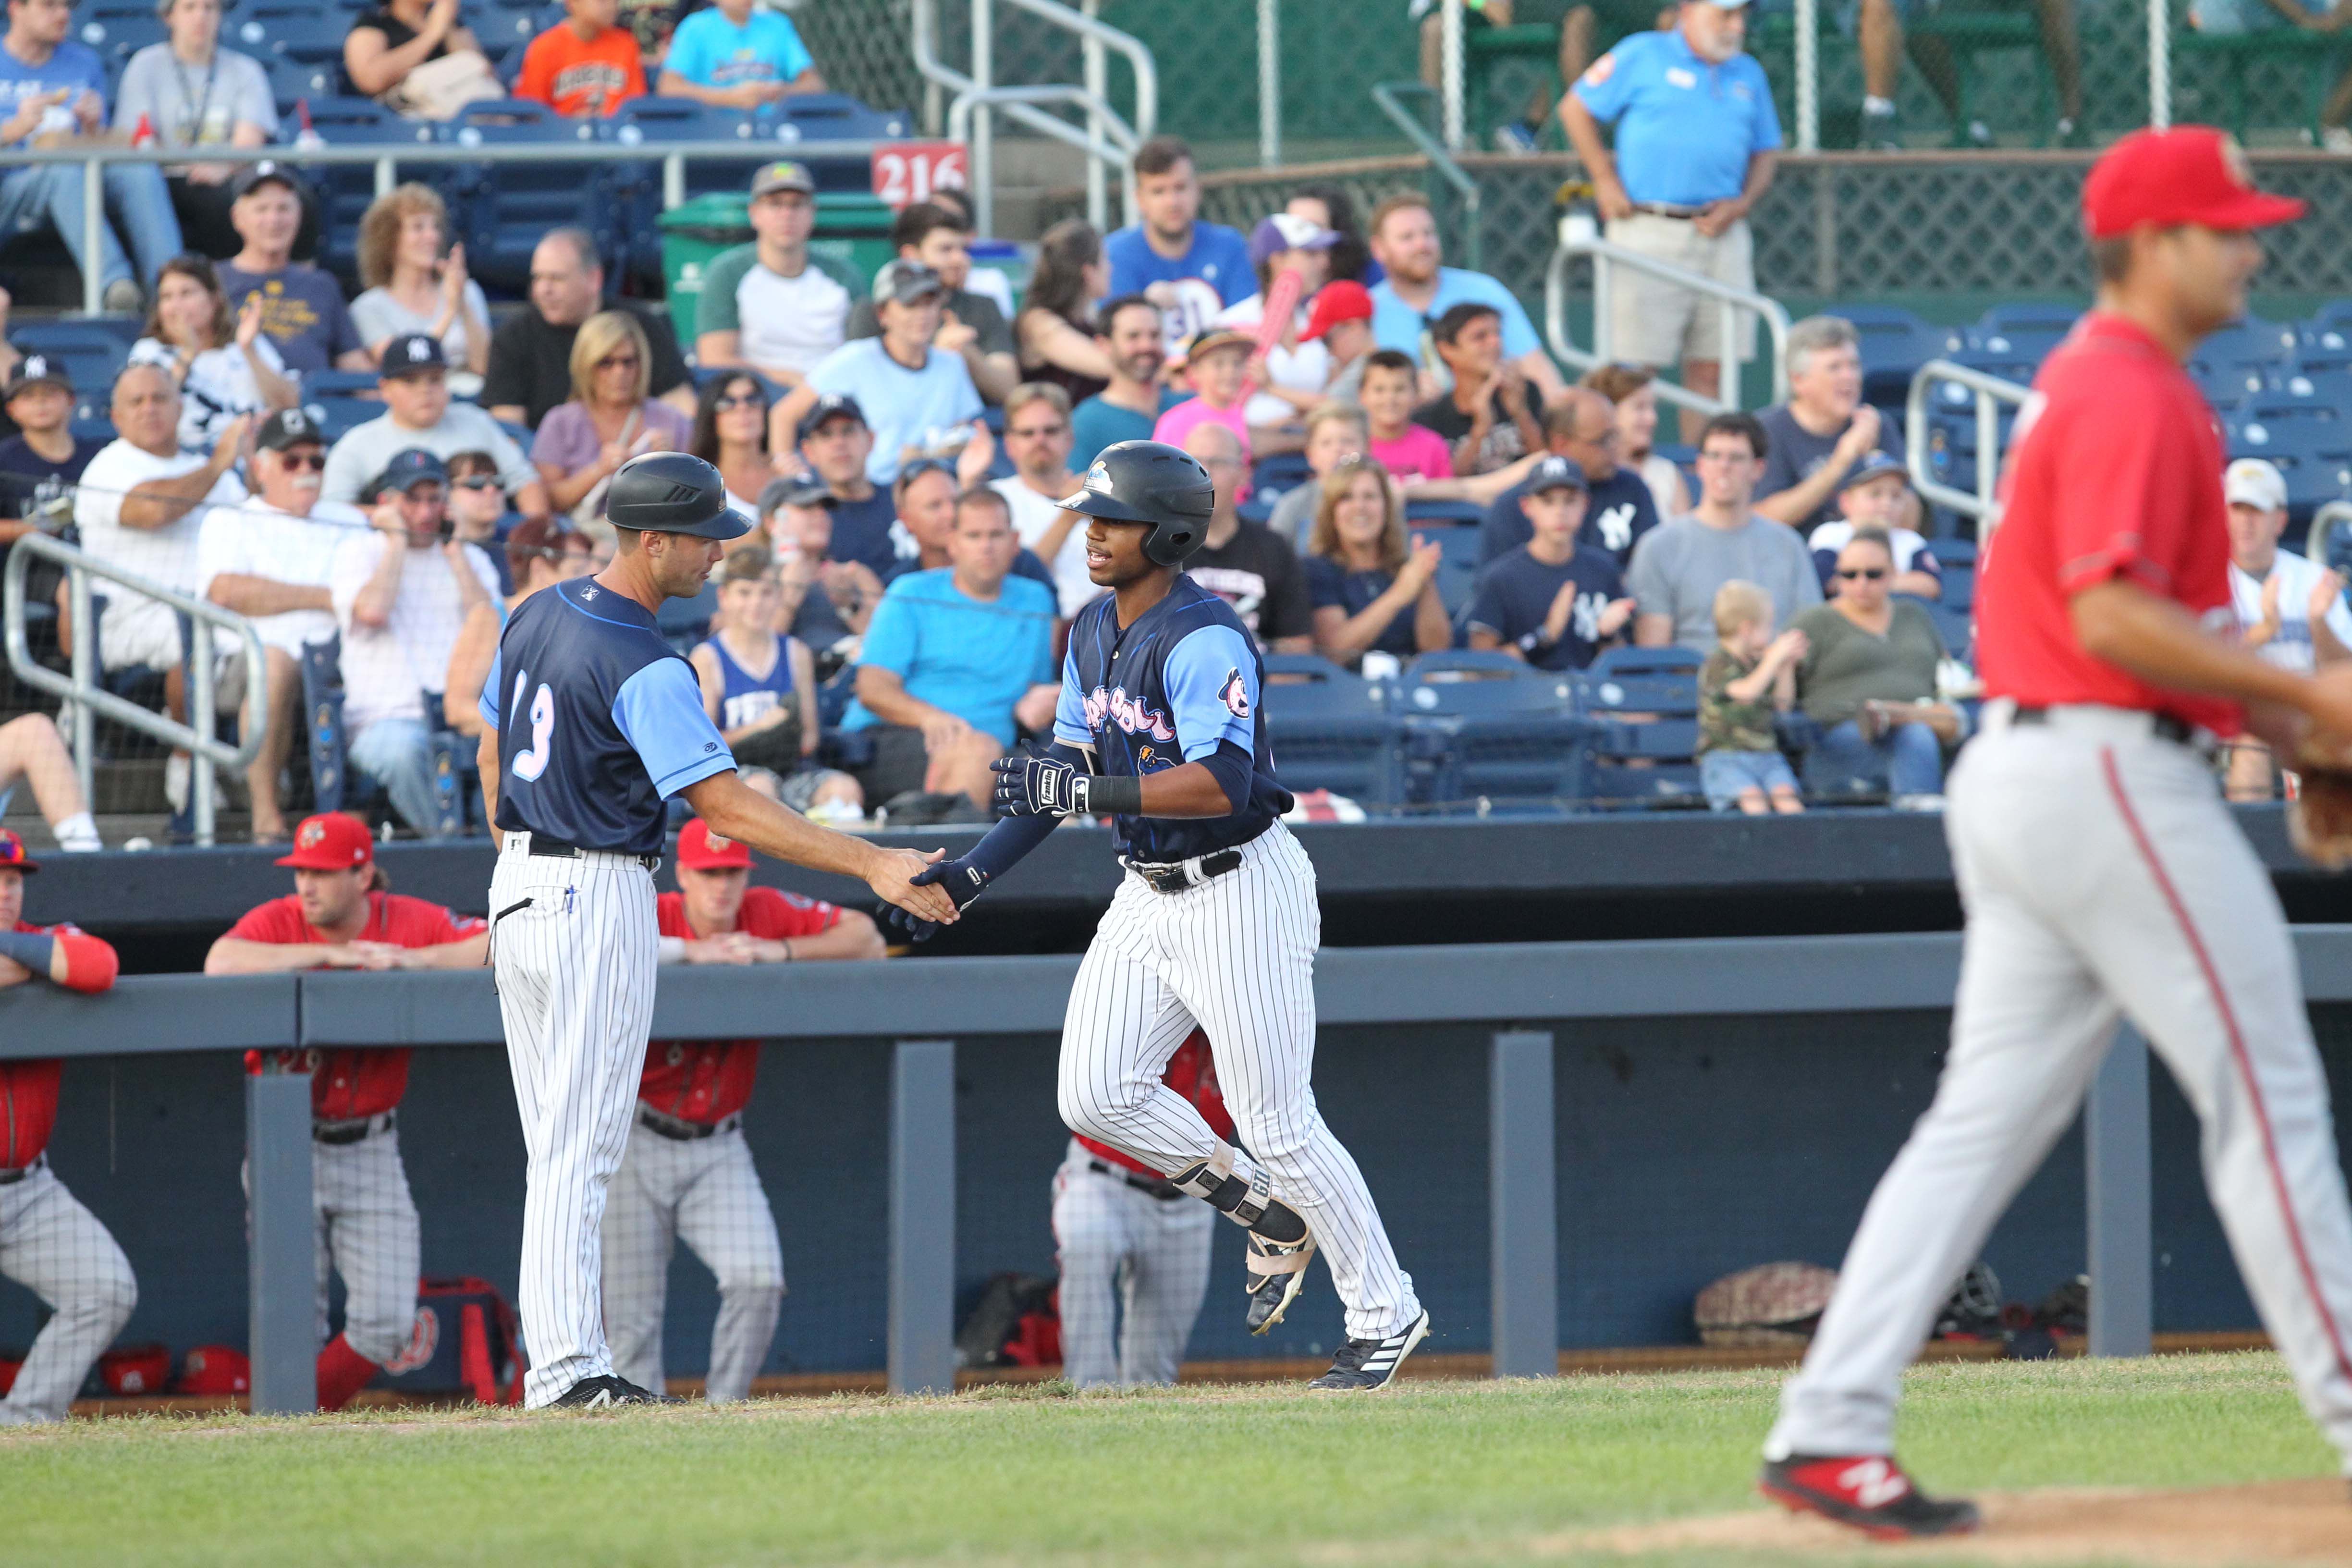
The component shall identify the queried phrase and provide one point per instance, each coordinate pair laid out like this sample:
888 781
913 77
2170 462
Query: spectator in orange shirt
48 1243
688 1172
340 916
585 66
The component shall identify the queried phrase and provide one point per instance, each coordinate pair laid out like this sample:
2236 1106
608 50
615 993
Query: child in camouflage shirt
1749 675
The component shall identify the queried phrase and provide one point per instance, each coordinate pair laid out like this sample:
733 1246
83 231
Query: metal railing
1728 301
385 158
1390 97
87 698
2314 541
978 98
1989 391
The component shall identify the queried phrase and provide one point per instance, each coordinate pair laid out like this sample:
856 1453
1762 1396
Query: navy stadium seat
1331 729
638 182
829 117
1460 512
117 29
1894 345
1644 702
1484 727
507 208
288 29
90 351
346 190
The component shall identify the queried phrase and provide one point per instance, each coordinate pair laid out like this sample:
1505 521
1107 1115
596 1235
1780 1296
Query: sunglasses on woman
475 481
1867 574
729 403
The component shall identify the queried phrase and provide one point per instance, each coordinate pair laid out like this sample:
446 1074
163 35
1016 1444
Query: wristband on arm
31 949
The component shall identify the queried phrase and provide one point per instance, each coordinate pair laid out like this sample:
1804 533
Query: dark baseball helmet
1155 483
673 492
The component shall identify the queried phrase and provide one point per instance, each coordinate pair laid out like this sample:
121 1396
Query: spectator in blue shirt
53 94
1696 137
1547 602
1191 269
956 663
918 398
1127 332
1419 289
737 55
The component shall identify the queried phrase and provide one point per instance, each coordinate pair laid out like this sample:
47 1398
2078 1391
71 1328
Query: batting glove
1039 787
963 881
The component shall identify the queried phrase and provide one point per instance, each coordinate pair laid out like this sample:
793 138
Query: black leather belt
350 1131
556 850
680 1130
10 1178
1150 1186
1181 876
2163 726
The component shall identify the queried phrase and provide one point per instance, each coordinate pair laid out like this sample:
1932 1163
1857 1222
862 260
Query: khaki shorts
1654 322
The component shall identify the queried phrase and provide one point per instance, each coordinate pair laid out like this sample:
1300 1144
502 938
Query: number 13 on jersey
532 761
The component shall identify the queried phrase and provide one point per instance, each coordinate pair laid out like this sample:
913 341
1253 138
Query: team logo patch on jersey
423 1341
1234 695
1132 714
1600 70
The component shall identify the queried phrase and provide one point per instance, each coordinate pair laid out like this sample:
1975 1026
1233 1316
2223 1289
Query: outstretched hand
898 876
961 880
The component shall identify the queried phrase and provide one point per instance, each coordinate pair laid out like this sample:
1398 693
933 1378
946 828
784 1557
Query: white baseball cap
2251 481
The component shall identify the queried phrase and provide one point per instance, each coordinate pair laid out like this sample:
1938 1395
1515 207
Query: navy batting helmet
1154 483
673 492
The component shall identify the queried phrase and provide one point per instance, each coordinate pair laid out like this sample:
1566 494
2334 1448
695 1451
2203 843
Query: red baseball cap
699 849
215 1369
12 854
2189 174
330 842
1343 299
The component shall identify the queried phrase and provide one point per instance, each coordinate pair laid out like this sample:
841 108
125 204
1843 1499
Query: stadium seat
2322 382
1278 473
289 29
1894 345
638 182
336 416
117 29
1644 703
1332 731
2026 331
1420 512
91 351
1457 568
504 210
1484 727
685 622
297 85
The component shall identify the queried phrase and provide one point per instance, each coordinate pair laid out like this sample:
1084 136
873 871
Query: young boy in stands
1407 450
1750 675
584 67
1877 495
1547 602
1216 362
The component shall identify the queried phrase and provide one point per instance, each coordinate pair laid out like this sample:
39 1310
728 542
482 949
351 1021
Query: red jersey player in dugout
341 916
2102 874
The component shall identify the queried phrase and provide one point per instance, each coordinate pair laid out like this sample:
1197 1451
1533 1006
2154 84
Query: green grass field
1428 1472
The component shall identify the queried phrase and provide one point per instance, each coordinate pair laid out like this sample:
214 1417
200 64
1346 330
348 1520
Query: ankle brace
1251 1203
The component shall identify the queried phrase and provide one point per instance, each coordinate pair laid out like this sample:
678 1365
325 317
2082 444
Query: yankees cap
412 353
832 406
35 369
289 427
1556 473
255 175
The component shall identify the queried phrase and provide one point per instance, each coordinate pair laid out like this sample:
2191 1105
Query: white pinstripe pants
1132 1260
1236 957
365 1221
707 1192
575 970
60 1251
2102 876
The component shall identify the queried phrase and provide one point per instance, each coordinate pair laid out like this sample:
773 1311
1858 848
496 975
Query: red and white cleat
1868 1491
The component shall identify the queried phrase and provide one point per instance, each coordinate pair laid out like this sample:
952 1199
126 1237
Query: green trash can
852 227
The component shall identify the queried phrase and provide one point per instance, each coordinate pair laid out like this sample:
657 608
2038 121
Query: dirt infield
2279 1523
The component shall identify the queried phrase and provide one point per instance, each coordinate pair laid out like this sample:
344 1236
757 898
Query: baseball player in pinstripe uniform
591 720
1134 1247
48 1243
1215 923
687 1176
340 917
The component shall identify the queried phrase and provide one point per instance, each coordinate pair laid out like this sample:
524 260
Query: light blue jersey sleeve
1070 708
486 704
1212 684
660 711
1607 85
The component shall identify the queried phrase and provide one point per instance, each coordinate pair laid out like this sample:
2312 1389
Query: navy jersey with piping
1170 689
599 721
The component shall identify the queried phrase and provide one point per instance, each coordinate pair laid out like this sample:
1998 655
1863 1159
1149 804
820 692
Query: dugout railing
920 1011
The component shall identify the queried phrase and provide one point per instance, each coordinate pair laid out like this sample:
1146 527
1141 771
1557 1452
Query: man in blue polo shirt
1417 290
1696 137
1191 269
